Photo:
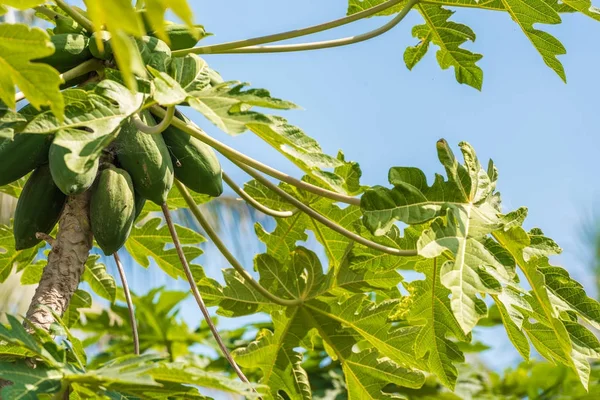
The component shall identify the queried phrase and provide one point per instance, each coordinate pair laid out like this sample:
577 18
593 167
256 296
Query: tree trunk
66 262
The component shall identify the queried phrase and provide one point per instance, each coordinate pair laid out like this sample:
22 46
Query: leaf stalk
198 296
71 12
322 219
156 129
227 47
255 203
326 44
212 234
132 320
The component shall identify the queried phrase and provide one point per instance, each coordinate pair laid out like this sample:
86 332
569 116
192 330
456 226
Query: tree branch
233 154
255 203
132 320
225 47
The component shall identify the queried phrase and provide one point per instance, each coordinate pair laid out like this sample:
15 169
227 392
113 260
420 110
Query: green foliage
345 324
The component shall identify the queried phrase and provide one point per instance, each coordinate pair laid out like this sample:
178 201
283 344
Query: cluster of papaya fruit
135 167
74 45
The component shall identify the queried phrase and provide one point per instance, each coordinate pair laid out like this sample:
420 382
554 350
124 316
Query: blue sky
541 133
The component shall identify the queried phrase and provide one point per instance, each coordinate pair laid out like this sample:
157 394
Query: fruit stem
71 12
233 154
225 47
132 320
156 129
212 234
322 219
255 203
326 44
198 296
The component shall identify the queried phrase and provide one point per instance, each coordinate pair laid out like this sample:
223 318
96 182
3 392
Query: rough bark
66 263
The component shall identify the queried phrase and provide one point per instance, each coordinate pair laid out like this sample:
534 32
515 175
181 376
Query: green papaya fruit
104 37
66 24
181 36
70 50
21 155
140 202
38 208
195 163
68 181
112 209
146 158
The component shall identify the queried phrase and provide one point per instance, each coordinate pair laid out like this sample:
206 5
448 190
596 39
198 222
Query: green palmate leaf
90 124
355 6
149 241
21 5
300 277
368 322
361 280
120 19
227 104
35 344
474 269
190 374
40 83
428 306
557 339
9 122
101 282
124 373
412 201
81 299
513 309
234 299
584 7
273 353
528 13
33 273
28 383
366 374
155 14
448 36
9 257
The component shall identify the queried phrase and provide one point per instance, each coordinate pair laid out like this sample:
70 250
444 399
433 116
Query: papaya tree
96 146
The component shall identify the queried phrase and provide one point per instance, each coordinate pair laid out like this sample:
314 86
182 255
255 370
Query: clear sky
542 134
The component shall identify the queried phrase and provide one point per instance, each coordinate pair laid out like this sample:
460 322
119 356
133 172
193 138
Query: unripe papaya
112 209
146 158
140 202
21 155
195 163
70 182
66 24
181 36
38 208
70 50
107 52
